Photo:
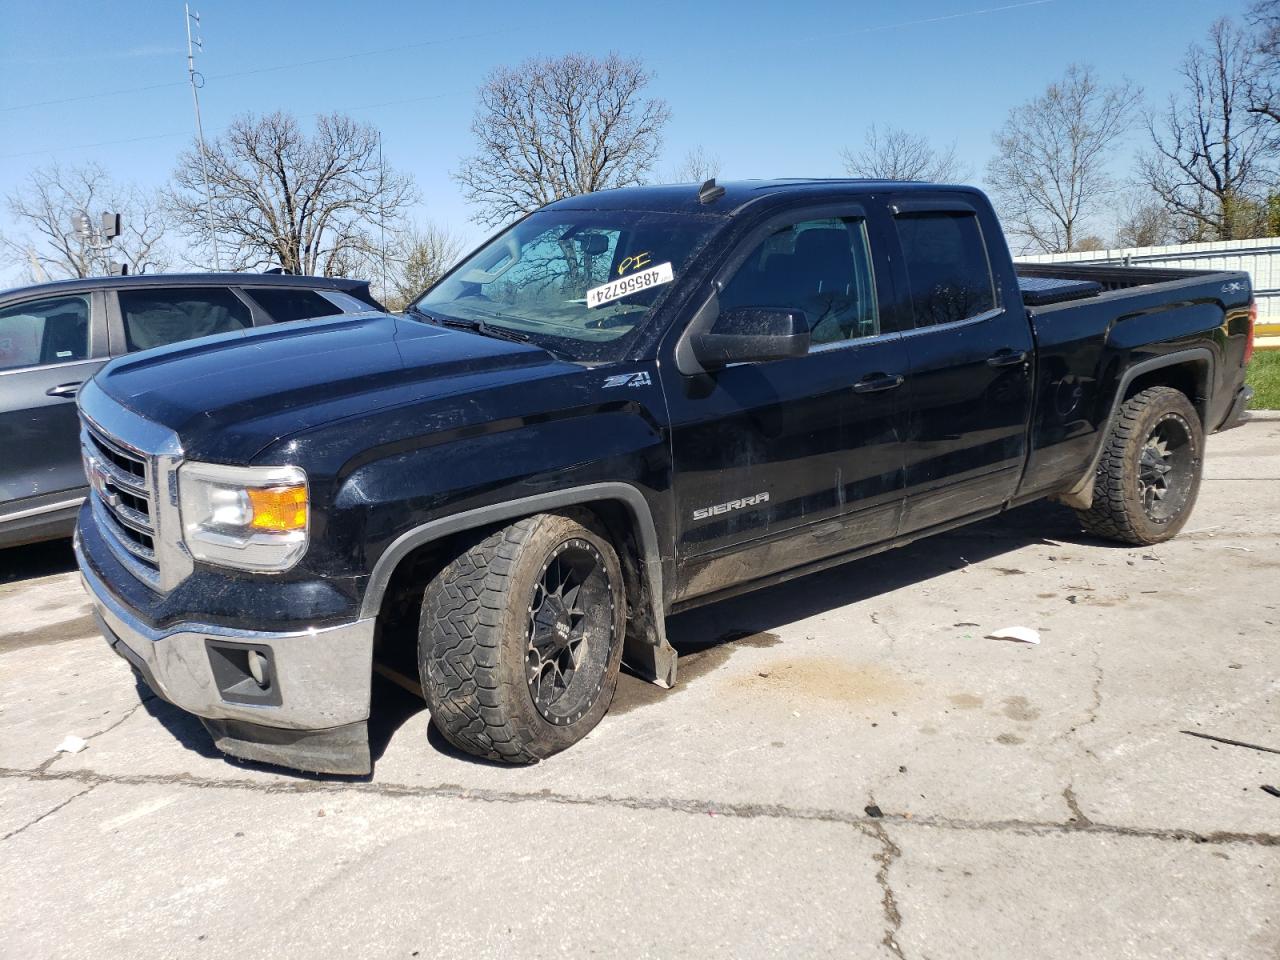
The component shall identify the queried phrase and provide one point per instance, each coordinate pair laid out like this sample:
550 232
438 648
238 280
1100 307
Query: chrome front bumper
320 677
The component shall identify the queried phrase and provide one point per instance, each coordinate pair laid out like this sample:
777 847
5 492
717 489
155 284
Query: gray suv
55 336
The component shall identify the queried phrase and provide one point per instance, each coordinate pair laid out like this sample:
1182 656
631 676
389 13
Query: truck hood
229 396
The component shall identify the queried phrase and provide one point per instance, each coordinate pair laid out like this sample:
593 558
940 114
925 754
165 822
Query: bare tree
551 129
698 166
420 258
1049 175
306 203
1262 76
1211 157
47 244
1145 223
889 153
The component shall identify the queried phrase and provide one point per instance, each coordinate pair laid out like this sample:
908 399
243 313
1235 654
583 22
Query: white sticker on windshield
631 283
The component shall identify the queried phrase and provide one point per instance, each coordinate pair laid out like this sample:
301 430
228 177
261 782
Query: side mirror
752 335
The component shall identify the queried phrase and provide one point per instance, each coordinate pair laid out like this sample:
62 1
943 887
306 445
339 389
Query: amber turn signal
278 508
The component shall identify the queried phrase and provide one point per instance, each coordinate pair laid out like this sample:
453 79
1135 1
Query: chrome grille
122 494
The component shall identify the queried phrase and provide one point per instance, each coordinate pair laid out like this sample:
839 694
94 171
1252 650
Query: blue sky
772 89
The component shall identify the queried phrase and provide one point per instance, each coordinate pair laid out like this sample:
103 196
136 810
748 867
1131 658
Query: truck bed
1088 280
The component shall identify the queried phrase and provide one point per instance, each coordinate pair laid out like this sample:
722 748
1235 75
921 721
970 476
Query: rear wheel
1149 474
521 638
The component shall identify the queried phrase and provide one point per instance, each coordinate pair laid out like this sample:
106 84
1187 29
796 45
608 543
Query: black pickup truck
627 404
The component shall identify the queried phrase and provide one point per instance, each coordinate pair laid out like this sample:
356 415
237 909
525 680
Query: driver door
781 463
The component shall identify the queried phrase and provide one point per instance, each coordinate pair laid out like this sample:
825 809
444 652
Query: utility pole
382 215
195 97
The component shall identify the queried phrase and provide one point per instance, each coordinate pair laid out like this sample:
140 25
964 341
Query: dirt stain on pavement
966 701
825 678
1020 708
59 632
694 663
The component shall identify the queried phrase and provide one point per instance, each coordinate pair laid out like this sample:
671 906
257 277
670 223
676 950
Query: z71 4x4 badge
628 380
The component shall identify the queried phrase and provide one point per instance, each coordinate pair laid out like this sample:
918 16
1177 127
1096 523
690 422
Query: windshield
580 282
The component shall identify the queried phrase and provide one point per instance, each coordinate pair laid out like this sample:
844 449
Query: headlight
253 518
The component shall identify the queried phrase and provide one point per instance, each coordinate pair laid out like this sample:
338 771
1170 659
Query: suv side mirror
752 335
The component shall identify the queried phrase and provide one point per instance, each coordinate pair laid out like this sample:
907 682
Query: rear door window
293 303
43 332
153 318
947 266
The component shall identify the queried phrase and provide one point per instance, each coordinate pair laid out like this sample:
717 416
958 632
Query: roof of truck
85 284
683 197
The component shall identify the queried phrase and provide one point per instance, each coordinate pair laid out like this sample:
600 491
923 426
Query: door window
822 267
293 304
44 332
153 318
947 266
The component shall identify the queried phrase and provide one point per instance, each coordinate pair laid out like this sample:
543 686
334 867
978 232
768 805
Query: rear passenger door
48 347
970 365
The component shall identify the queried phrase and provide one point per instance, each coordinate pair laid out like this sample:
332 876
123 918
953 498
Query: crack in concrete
49 813
127 714
889 852
45 765
1077 815
748 811
1091 712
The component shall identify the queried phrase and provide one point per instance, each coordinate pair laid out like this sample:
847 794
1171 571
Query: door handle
1006 357
64 389
877 382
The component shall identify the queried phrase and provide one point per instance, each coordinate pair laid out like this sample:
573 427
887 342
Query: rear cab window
292 303
948 270
44 332
154 318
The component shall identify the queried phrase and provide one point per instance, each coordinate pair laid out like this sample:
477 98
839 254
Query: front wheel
520 639
1149 473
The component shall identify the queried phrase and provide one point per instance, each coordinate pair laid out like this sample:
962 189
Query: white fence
1260 257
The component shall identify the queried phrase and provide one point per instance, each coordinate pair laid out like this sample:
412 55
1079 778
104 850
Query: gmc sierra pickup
626 404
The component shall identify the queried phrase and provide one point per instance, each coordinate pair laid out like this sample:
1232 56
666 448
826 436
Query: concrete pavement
1036 800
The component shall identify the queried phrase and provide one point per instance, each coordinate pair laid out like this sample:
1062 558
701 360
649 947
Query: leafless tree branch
1049 174
307 203
555 128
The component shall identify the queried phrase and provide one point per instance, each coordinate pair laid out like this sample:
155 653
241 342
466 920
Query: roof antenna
709 192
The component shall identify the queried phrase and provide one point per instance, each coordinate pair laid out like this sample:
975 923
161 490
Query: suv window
822 267
947 266
153 318
44 331
292 304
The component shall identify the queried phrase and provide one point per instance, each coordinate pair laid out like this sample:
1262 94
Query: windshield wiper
485 329
476 326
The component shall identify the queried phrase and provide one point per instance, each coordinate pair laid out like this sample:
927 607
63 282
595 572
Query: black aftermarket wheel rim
571 626
1166 470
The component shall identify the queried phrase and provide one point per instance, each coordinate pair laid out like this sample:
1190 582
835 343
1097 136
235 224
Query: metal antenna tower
192 44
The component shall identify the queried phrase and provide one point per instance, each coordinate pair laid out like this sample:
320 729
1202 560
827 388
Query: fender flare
1080 494
654 657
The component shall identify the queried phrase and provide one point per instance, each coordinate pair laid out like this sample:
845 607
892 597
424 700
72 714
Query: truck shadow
708 636
36 560
705 638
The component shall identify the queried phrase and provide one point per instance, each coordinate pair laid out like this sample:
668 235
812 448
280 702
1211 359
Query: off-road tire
474 639
1118 511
